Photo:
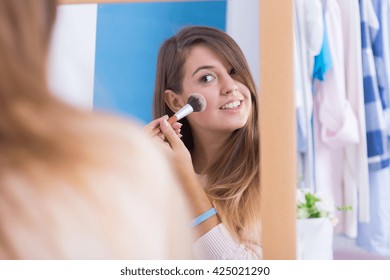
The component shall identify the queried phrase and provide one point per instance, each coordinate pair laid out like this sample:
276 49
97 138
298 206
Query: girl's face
228 100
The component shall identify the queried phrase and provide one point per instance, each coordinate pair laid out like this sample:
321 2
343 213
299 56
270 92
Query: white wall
72 54
242 23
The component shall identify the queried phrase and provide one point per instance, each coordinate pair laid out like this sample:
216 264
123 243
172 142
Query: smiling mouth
231 105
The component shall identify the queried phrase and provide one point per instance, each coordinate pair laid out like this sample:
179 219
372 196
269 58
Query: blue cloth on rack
375 104
377 49
322 61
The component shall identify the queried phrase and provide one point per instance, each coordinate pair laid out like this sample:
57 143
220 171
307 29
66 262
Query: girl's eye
207 78
232 71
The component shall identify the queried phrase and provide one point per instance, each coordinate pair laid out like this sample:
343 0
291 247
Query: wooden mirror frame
277 125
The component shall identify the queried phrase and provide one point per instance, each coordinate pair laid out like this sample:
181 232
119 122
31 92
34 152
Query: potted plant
315 221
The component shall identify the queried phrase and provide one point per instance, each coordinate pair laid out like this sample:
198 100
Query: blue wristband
203 217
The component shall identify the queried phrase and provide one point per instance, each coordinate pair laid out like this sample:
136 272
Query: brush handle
173 119
184 112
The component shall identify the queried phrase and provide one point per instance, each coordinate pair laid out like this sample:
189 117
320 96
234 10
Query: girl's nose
230 86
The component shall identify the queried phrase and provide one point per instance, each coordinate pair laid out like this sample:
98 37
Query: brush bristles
197 102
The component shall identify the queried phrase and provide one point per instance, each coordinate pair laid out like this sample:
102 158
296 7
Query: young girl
218 156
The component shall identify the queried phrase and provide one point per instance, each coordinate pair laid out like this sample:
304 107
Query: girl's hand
153 128
178 151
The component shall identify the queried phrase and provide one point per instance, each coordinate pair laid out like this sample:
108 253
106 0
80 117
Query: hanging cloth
356 185
308 40
335 126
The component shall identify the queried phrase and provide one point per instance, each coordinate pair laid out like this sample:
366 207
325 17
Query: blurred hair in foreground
74 184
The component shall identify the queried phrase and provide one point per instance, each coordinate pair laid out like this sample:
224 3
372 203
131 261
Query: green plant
311 205
316 205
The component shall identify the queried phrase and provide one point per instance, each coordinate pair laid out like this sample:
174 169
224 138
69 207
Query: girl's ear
174 101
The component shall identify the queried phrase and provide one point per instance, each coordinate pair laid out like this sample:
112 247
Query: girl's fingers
155 132
161 135
153 128
177 128
170 135
153 124
177 125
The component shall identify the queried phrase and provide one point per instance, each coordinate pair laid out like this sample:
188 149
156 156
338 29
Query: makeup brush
195 103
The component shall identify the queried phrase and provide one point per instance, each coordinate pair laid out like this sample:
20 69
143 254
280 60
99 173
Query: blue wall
128 37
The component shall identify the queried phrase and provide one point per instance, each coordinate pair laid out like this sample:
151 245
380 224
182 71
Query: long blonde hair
74 184
234 187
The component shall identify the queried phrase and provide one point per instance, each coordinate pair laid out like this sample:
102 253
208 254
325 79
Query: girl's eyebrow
201 68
